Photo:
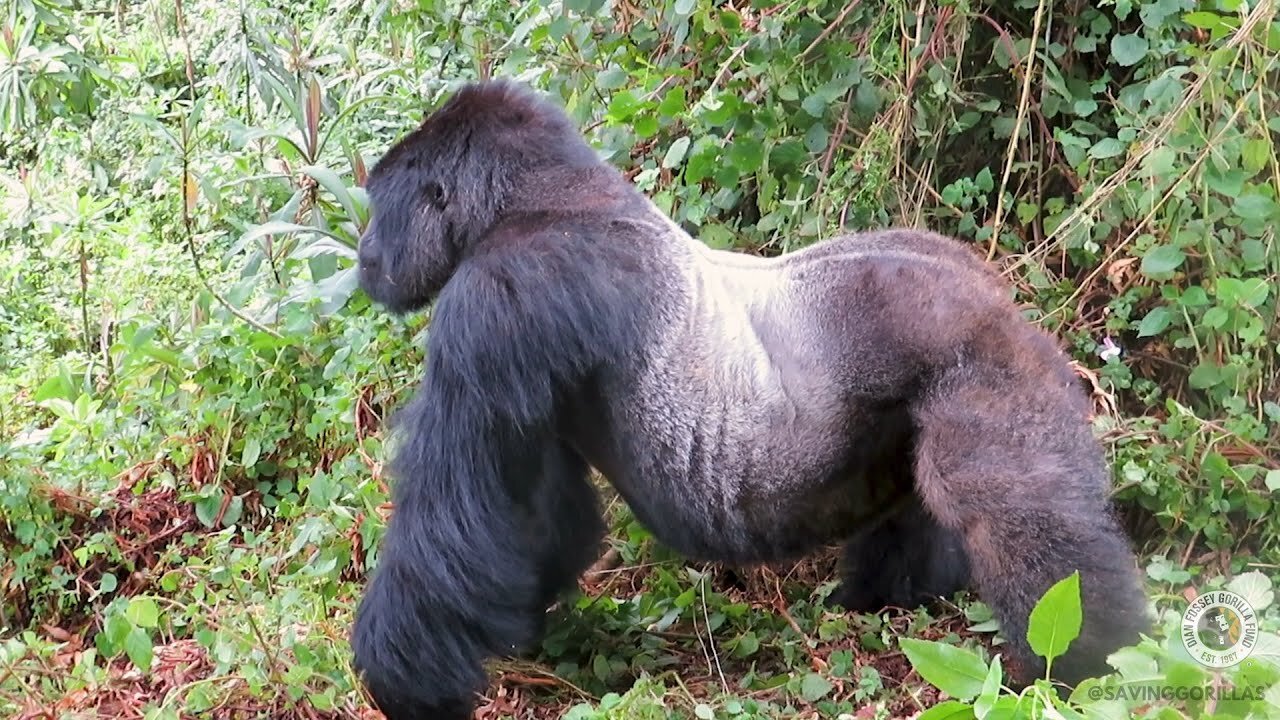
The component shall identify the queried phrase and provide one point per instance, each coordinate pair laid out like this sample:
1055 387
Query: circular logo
1219 629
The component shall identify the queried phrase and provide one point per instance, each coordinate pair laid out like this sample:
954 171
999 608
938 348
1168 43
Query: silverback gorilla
878 389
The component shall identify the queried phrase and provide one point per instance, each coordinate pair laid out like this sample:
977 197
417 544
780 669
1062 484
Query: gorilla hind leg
565 524
1008 462
906 560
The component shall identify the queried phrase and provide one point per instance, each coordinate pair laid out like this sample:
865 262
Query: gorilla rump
877 389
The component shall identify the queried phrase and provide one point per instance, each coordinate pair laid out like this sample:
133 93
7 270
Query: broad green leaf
252 449
1205 375
1027 212
990 689
747 645
56 387
235 508
1134 665
814 687
337 363
1254 253
623 106
1235 292
984 181
1256 207
298 674
170 581
117 629
1254 291
866 101
207 509
1155 322
816 138
1055 620
1155 13
59 407
137 645
142 611
948 710
325 246
163 355
1160 162
1195 296
1107 148
322 701
673 102
716 236
1215 317
612 78
1273 480
600 667
1203 20
1162 259
675 153
1255 154
1254 587
956 671
1228 183
559 28
646 126
1127 50
815 105
280 227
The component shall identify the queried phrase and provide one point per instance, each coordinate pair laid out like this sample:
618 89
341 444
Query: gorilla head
435 192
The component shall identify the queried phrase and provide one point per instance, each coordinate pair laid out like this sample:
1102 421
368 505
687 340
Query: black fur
877 389
904 561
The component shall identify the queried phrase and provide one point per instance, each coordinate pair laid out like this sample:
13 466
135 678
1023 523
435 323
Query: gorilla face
410 248
443 186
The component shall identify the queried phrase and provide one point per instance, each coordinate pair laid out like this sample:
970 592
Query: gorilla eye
435 194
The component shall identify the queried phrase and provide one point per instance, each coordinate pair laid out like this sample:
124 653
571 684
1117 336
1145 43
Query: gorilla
880 390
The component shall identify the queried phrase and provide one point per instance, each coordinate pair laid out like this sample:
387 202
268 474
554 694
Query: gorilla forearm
494 515
880 389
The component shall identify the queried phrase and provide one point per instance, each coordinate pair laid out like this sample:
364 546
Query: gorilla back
879 390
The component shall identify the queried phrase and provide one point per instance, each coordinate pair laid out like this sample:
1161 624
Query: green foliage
1163 673
193 396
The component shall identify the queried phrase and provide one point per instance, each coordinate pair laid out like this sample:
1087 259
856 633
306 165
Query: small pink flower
1109 349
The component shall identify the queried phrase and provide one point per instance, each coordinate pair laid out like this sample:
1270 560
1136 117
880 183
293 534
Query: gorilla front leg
494 515
457 580
470 563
